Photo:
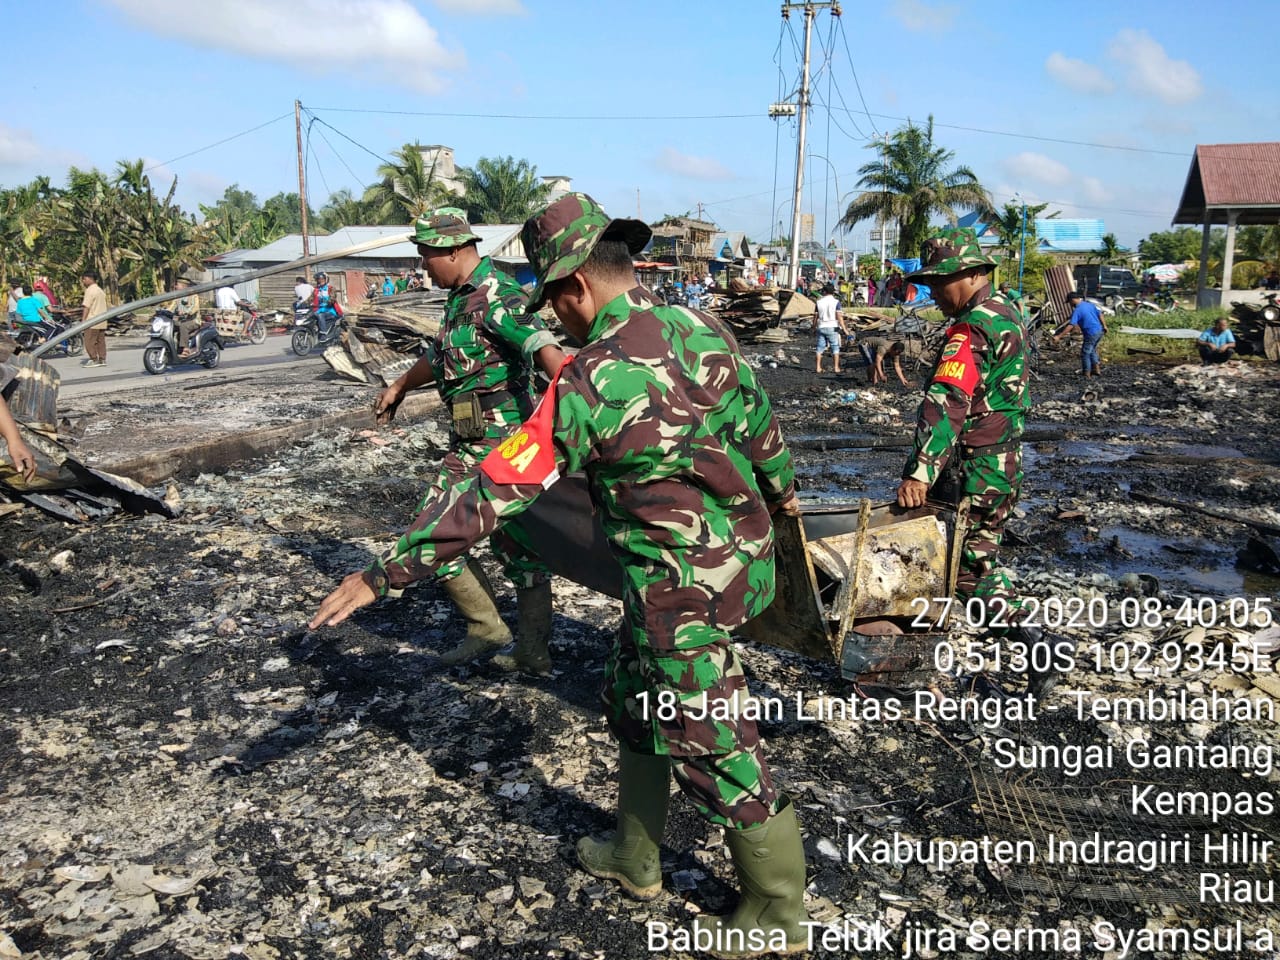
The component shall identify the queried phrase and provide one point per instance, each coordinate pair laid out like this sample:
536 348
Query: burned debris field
189 772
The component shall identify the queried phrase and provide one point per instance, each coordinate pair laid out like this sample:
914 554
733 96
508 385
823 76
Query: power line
533 116
854 70
234 136
377 156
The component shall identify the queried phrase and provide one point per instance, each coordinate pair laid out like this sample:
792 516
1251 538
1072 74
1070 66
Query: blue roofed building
1073 239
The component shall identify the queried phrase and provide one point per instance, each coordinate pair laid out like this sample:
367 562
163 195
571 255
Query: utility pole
884 220
810 8
302 182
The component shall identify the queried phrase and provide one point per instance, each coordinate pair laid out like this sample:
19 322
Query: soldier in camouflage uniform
970 424
480 362
974 405
685 462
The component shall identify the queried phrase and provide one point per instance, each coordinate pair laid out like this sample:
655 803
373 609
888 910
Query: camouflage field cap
949 251
558 240
444 227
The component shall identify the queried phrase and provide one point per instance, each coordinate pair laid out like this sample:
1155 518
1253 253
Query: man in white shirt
302 290
828 324
225 299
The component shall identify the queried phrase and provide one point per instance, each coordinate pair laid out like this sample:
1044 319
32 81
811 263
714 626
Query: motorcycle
162 351
31 335
314 327
246 324
1258 327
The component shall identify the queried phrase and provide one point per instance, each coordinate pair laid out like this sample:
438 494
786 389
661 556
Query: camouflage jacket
682 453
486 344
978 394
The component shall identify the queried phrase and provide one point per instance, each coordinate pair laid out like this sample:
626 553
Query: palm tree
1009 226
1109 250
408 188
502 190
911 183
342 210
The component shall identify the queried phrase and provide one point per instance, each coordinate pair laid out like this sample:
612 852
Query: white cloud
697 168
1150 70
918 15
481 7
388 39
1037 167
18 148
1077 75
1093 192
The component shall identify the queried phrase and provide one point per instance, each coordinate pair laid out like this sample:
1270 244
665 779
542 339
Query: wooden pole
302 183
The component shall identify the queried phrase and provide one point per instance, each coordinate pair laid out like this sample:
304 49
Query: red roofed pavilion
1231 183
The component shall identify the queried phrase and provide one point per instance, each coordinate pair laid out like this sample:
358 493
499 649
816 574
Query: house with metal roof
350 275
1233 183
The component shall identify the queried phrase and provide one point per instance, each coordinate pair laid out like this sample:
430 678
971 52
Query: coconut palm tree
502 190
408 188
1009 223
1109 250
912 182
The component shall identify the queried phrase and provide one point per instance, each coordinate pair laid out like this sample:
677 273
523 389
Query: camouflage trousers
989 485
520 562
687 702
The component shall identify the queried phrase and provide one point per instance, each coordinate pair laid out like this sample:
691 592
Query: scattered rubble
191 773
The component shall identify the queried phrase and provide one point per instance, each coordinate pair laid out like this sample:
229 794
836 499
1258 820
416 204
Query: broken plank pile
756 314
384 339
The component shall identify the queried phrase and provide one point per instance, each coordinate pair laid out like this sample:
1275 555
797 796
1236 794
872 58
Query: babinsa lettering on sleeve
957 366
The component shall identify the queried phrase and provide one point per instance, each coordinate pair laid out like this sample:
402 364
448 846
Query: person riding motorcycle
186 318
327 310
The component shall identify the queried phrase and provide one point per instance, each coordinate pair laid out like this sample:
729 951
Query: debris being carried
385 337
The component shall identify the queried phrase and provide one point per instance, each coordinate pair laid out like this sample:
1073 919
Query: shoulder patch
527 455
957 366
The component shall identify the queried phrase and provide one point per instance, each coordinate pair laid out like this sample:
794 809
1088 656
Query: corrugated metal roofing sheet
1237 175
492 236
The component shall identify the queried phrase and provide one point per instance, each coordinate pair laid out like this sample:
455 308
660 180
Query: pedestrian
1217 344
686 462
829 328
970 425
402 282
94 304
20 455
481 363
388 286
1086 318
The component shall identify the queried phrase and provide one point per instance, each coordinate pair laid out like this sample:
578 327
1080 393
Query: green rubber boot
533 632
769 862
486 633
630 856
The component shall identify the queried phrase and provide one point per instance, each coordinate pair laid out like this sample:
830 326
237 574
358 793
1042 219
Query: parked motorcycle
1258 327
163 350
314 327
31 335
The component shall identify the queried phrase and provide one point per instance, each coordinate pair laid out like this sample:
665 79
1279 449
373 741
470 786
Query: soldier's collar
481 273
983 294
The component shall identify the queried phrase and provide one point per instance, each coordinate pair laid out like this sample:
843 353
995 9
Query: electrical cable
854 70
234 136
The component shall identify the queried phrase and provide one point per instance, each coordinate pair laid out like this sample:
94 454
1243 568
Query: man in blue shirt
1217 344
1092 328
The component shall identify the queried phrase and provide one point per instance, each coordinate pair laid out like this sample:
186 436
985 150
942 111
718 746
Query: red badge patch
527 456
957 366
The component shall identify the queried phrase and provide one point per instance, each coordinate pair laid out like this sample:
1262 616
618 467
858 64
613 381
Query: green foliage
1115 345
911 183
502 190
408 188
1010 222
1259 243
1109 251
1171 246
1247 274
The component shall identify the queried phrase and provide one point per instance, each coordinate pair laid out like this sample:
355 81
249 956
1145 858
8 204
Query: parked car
1105 283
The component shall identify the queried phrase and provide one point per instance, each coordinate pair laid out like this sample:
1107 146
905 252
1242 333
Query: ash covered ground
190 773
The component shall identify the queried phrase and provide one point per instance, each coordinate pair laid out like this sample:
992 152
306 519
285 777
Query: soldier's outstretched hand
788 508
352 594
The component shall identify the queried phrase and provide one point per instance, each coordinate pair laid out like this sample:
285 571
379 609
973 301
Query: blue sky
105 80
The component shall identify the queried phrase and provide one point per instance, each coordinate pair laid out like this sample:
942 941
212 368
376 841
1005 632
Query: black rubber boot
630 856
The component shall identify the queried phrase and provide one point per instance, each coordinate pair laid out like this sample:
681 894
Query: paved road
124 366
